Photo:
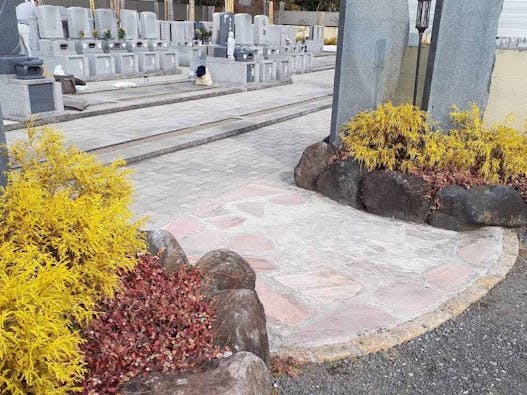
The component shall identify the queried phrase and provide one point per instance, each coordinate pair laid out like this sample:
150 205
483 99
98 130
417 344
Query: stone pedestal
101 64
283 69
231 72
126 63
168 61
186 54
22 99
148 62
267 71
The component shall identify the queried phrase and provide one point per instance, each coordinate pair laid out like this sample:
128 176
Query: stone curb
388 338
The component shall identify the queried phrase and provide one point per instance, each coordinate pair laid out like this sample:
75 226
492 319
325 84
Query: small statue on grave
231 43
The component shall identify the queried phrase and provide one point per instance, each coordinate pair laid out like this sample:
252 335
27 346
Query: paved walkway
103 130
334 281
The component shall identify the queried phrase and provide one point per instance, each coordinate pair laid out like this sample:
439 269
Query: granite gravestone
49 22
79 24
105 21
261 36
226 26
370 50
148 25
164 30
462 55
130 23
244 29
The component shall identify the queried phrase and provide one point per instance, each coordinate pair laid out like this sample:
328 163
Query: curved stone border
374 342
408 197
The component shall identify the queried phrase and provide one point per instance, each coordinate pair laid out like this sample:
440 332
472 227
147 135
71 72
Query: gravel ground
483 351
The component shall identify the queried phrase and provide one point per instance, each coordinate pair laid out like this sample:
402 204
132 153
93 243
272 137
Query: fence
308 18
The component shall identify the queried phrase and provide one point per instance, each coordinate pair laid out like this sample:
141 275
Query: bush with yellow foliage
65 231
400 138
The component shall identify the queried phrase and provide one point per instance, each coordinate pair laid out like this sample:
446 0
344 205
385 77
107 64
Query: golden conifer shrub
65 231
400 138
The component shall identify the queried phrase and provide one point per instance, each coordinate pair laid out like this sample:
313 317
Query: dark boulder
225 269
240 374
341 181
162 242
397 195
240 322
487 205
313 161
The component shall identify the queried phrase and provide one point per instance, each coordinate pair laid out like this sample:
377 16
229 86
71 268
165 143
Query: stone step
179 139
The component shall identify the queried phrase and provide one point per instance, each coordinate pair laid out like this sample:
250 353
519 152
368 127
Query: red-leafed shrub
158 322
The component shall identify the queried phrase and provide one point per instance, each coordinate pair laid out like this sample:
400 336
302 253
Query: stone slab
9 44
460 65
370 50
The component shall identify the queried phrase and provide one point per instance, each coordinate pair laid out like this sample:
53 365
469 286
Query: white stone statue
231 43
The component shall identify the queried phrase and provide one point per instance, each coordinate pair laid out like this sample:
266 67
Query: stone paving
326 273
102 130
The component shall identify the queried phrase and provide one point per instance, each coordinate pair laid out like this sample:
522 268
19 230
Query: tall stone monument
371 43
462 54
3 152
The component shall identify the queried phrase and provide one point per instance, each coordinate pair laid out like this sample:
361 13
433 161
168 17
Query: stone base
168 61
232 72
23 99
186 54
101 64
148 62
56 47
267 71
283 69
86 47
126 63
113 45
157 45
315 46
72 64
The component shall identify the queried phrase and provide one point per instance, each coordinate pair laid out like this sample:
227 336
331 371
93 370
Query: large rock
225 269
240 322
172 255
313 161
341 181
241 374
483 205
397 195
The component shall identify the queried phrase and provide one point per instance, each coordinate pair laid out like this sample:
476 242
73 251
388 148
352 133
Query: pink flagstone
255 208
289 200
281 308
226 222
249 242
449 276
183 226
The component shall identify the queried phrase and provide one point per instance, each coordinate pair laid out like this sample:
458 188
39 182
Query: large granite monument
370 49
462 54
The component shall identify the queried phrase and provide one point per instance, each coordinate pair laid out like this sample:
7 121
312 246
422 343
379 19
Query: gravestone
274 32
261 35
226 26
215 27
189 31
130 23
370 50
177 32
79 24
462 55
104 20
49 22
243 29
164 30
148 25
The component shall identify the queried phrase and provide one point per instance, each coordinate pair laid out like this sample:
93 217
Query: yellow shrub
400 138
390 137
65 230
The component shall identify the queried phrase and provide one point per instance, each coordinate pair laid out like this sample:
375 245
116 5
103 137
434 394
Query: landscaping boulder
397 195
240 322
314 159
341 181
496 205
442 220
172 256
242 373
225 269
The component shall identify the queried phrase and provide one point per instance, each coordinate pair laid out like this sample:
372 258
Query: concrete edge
385 339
